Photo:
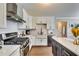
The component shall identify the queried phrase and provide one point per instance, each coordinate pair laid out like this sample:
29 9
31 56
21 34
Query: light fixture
44 5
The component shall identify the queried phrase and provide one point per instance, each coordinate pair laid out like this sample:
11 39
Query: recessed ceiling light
44 5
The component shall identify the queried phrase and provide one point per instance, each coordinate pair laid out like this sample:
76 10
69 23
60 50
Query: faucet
1 43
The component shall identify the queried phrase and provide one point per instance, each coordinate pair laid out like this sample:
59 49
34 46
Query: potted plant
75 32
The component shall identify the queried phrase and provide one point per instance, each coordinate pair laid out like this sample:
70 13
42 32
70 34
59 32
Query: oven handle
25 42
25 47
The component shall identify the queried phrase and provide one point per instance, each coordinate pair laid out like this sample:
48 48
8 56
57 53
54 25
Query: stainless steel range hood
12 12
15 18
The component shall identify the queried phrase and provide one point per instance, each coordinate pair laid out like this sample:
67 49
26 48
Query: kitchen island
62 46
10 50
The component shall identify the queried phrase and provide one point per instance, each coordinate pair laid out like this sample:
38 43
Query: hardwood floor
41 51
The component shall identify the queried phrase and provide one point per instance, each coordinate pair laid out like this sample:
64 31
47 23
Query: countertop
7 50
29 36
66 42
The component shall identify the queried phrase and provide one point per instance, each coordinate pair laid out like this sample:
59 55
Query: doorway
62 28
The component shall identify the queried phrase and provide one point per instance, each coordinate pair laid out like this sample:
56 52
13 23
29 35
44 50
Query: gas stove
15 41
12 39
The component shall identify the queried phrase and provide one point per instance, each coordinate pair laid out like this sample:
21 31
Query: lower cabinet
49 40
60 50
40 42
65 53
56 49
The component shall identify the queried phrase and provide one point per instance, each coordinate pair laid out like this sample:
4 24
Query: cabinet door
34 22
51 23
54 48
44 19
23 25
30 22
38 42
48 23
44 41
2 15
33 42
20 10
58 50
41 42
39 20
49 40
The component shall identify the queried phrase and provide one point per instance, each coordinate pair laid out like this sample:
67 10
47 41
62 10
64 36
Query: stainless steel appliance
12 39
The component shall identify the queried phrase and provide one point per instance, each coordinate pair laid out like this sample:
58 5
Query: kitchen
27 28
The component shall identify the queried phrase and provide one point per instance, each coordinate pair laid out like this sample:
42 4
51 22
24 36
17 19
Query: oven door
25 50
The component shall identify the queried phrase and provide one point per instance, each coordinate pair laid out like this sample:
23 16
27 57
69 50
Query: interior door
62 28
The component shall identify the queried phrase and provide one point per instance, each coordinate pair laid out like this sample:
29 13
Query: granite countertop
7 50
29 36
66 42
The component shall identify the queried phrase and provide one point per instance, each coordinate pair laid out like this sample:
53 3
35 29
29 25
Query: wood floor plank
41 51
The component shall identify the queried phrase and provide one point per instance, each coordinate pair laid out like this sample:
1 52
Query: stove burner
15 41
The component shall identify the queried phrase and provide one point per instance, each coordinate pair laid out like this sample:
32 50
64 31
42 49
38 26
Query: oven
12 39
25 49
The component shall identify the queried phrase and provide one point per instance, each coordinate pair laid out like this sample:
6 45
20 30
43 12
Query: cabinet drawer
67 52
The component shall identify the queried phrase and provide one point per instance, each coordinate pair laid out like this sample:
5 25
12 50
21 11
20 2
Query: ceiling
54 9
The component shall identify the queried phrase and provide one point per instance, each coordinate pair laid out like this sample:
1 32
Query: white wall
11 27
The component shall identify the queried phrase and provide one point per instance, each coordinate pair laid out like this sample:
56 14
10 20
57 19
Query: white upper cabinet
44 19
20 10
29 22
41 20
34 22
28 19
38 20
51 23
23 25
2 15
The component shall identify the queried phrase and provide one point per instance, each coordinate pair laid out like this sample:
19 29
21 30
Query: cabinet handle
41 40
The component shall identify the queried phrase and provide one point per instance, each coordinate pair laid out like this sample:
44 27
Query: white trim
67 17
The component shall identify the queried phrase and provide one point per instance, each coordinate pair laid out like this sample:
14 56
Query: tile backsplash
11 27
